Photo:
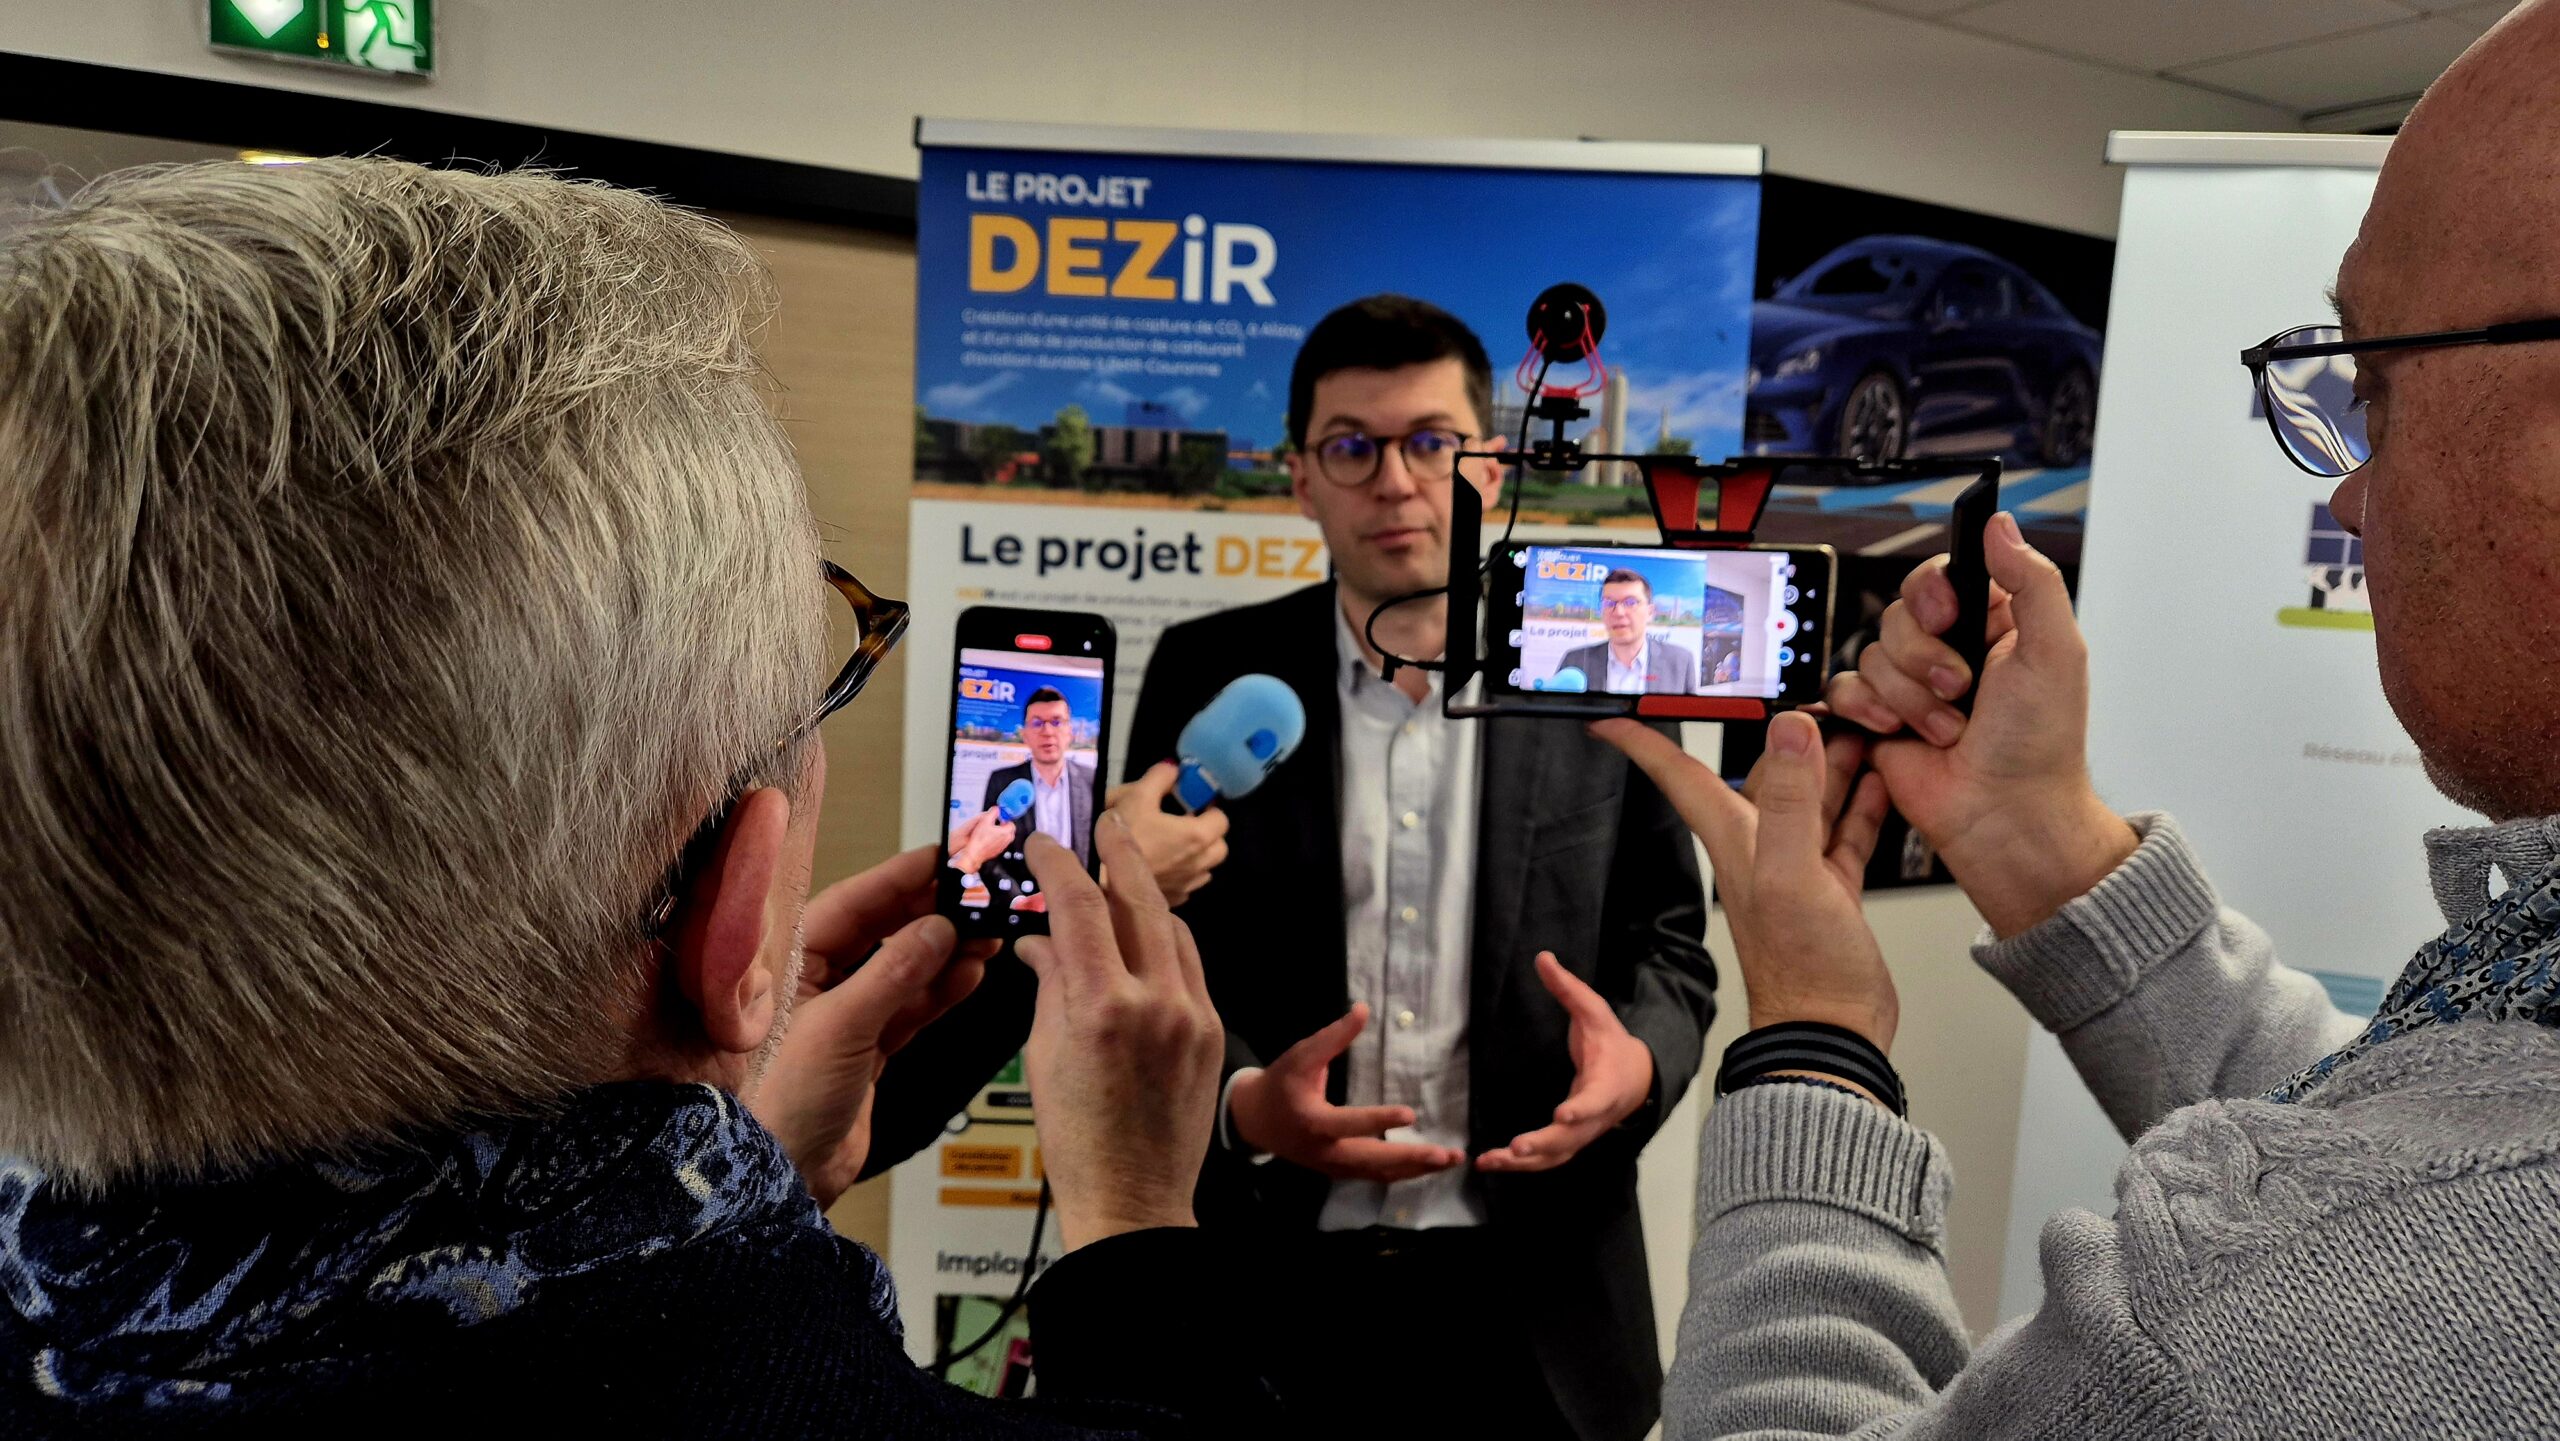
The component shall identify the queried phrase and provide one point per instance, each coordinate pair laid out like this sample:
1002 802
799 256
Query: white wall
1837 92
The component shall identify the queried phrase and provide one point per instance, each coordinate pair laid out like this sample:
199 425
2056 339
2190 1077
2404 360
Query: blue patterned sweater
643 1257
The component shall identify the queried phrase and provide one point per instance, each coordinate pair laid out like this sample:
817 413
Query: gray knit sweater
2379 1260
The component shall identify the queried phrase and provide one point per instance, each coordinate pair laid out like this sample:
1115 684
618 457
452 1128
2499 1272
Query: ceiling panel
2367 65
2166 34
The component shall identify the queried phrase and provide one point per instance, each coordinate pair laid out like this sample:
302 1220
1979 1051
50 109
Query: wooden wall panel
843 350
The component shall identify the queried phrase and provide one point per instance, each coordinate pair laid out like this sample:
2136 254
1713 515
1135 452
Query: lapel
1510 811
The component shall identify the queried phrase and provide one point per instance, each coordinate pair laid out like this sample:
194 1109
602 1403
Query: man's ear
1301 476
720 934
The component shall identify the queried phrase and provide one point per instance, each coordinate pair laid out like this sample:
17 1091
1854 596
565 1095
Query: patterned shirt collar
169 1293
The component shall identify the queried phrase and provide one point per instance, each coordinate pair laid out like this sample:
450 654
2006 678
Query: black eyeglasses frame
2267 352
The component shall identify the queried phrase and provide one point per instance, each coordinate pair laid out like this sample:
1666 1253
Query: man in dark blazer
1062 785
1458 1202
1667 668
1629 661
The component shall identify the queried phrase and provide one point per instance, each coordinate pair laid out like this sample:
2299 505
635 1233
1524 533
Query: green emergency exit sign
394 36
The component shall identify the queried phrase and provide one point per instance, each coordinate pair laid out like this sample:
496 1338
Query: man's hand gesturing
1282 1109
1612 1075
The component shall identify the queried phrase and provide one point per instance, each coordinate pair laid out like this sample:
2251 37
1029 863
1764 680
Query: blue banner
1113 323
1103 347
1565 583
992 699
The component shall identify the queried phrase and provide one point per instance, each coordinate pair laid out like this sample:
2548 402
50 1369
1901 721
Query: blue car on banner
1896 345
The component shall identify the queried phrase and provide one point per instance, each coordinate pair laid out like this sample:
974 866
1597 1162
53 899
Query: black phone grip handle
1969 571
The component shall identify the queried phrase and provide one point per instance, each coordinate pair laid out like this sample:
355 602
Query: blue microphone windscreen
1013 801
1242 734
1570 678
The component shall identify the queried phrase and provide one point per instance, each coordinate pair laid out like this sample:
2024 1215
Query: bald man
2326 1227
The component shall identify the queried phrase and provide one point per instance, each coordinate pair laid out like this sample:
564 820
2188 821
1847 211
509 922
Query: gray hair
401 563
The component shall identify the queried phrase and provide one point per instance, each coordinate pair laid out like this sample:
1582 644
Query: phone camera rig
1696 505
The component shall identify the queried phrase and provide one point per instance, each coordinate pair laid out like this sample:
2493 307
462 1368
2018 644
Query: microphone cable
1013 1305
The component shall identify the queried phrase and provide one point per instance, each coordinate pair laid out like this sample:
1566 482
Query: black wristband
1813 1046
1793 1078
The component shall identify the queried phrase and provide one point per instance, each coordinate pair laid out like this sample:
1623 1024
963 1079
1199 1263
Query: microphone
1239 737
1566 322
1570 678
1013 801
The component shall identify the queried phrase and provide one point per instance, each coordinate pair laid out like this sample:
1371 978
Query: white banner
1146 569
2232 678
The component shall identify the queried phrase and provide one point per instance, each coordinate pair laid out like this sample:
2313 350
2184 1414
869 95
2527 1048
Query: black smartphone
1744 623
1030 728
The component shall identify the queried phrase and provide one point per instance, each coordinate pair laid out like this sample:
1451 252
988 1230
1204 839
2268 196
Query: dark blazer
1674 671
1578 854
1080 815
777 1339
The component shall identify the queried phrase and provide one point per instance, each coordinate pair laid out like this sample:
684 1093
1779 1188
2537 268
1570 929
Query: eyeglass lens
2311 405
1352 458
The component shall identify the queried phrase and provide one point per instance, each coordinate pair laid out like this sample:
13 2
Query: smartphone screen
1030 717
1628 620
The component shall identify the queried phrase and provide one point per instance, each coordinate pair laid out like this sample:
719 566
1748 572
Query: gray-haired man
402 568
2326 1227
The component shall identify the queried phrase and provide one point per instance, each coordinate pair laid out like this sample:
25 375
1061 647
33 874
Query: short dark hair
1386 332
1048 693
1624 576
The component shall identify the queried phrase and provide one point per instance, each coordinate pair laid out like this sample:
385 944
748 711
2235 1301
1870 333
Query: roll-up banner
1105 323
2232 676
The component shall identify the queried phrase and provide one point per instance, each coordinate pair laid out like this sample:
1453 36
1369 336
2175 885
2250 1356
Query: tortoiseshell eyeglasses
880 623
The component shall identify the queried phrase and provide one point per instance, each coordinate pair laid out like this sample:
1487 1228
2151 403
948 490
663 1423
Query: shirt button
1404 1215
1409 819
1404 1020
1410 915
1408 727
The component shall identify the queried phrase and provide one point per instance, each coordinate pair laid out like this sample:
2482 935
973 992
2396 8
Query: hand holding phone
2005 794
980 839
